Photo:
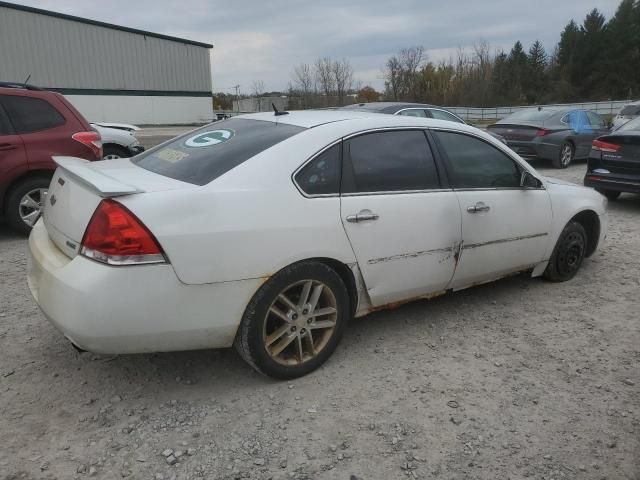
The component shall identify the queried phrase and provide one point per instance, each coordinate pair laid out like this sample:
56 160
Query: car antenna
27 80
276 112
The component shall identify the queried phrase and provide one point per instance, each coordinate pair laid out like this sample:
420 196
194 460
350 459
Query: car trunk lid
78 186
626 159
515 132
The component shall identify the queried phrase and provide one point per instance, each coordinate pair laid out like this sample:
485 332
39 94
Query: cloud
258 40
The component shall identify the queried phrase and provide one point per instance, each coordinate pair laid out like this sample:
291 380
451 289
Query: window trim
424 110
5 123
445 161
442 179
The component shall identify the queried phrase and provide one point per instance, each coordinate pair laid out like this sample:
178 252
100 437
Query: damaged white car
270 231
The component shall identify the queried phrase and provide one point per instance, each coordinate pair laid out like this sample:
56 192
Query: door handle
7 146
362 216
479 207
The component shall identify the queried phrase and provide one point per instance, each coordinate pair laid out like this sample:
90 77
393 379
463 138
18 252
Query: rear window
531 115
203 155
31 114
630 111
630 125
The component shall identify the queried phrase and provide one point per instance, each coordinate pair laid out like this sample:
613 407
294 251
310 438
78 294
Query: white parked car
118 140
626 114
272 231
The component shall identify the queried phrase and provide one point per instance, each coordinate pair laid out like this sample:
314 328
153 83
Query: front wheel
568 253
294 322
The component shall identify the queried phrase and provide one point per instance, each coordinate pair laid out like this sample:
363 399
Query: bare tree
324 76
343 78
304 83
257 89
392 75
410 60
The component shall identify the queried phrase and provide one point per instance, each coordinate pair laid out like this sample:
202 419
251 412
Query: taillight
115 236
90 139
542 132
601 146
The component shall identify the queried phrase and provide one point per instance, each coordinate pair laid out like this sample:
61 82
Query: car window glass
595 120
477 164
203 155
5 129
390 161
442 115
578 120
321 176
414 112
31 114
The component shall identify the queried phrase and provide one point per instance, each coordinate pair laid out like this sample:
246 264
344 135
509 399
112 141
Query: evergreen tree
622 58
517 64
536 79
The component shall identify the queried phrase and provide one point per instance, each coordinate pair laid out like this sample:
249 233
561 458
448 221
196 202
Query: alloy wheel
300 322
31 205
111 156
566 154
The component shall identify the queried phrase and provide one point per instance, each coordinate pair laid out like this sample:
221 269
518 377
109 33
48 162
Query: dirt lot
517 379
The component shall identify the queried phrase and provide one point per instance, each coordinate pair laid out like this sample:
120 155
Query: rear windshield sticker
171 155
207 139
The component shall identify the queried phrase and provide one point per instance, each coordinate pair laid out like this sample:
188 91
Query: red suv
35 125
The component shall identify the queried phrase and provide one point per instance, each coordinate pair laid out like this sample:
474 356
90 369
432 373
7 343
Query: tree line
596 60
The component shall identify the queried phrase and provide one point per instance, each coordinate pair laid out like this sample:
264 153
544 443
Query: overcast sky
265 39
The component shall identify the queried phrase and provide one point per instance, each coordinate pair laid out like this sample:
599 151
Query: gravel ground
516 379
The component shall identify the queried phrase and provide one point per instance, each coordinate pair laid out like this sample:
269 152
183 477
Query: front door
403 226
505 228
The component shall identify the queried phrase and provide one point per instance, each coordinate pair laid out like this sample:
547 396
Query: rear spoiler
82 171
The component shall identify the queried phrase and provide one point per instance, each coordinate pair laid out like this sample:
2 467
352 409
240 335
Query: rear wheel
566 155
294 322
111 152
568 253
610 194
25 203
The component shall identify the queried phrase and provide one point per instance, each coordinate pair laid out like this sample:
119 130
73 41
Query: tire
111 151
568 253
263 333
33 188
565 156
610 194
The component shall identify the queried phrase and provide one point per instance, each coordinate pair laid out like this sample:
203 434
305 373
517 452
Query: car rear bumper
132 309
534 149
613 182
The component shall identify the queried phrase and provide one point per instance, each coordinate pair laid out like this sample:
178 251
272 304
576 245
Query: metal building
109 72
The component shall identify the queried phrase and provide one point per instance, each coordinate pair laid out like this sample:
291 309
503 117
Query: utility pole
237 87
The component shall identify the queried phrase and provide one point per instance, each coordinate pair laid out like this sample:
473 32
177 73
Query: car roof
387 106
355 120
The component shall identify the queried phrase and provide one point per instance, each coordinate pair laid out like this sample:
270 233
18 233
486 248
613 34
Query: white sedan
270 231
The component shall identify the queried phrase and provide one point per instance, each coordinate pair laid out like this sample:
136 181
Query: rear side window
389 161
413 112
321 176
442 115
630 111
595 119
203 155
474 163
31 114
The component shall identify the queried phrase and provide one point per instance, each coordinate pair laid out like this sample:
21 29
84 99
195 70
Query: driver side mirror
529 181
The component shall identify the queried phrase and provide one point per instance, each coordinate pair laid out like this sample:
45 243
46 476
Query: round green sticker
207 139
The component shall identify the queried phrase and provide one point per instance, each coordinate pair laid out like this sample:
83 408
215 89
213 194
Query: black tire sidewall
12 209
552 272
115 149
256 312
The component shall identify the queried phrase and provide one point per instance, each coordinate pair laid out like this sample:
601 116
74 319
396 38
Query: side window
389 161
595 120
321 176
31 114
474 163
442 115
413 112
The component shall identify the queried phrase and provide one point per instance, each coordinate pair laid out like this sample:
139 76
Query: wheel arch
346 274
591 223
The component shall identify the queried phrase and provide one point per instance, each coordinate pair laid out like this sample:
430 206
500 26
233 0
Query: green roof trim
88 21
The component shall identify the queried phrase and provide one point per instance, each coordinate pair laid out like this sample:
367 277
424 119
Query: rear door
13 157
402 222
505 228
